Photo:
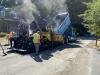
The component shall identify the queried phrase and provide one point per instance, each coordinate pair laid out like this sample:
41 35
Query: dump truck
56 33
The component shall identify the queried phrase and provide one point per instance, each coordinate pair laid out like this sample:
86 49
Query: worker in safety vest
11 36
36 41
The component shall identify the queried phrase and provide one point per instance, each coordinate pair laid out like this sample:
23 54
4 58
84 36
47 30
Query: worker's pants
37 45
11 42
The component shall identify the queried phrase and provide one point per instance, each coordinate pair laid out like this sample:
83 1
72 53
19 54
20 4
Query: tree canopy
77 7
91 17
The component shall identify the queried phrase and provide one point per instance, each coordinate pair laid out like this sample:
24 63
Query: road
69 59
95 70
96 62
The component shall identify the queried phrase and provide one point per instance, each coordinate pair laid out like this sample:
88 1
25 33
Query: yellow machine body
53 37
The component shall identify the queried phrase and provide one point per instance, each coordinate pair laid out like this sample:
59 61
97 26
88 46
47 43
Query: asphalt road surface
69 59
96 62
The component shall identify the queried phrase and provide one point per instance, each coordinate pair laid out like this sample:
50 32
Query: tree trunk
96 41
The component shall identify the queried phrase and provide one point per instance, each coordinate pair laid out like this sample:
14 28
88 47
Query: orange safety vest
11 35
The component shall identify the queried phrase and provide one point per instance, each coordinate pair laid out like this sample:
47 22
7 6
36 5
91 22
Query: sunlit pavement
60 62
96 62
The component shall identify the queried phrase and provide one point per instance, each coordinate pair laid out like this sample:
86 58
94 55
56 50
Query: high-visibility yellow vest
36 38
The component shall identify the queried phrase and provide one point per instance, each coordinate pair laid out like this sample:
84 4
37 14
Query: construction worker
11 36
36 41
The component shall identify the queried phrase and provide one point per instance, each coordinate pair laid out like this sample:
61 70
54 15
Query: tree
77 7
10 3
91 18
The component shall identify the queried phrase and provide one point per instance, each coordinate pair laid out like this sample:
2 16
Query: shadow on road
87 37
44 54
37 58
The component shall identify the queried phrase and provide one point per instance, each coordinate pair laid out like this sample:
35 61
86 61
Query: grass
3 40
2 34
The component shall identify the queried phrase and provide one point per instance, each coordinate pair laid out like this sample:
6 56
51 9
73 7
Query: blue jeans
37 45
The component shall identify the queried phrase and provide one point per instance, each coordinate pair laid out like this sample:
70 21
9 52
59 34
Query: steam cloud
30 9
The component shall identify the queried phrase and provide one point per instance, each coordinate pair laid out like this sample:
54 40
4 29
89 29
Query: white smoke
44 8
54 4
30 9
27 9
50 8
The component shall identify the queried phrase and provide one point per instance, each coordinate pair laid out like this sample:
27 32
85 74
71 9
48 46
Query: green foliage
3 34
77 7
1 25
10 3
92 18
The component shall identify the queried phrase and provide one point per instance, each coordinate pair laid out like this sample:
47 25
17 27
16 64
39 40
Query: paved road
96 62
67 60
